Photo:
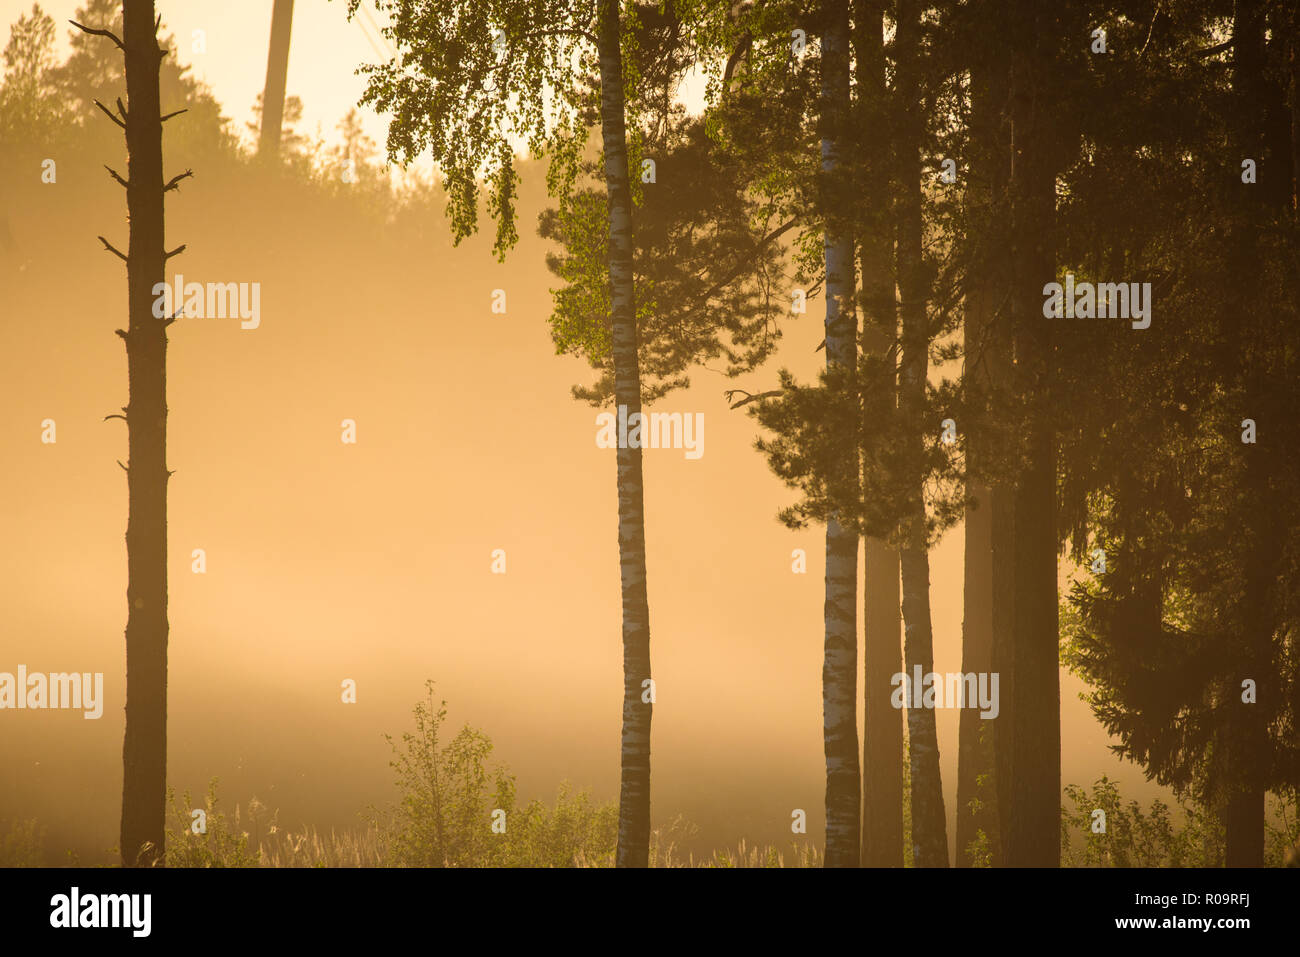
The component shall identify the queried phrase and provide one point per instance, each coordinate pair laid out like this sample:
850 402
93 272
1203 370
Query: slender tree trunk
277 76
976 812
1294 44
1247 735
634 796
1003 547
882 745
882 740
929 822
840 667
1002 533
986 579
1034 817
144 750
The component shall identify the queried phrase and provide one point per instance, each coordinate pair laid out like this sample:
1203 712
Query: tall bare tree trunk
993 150
144 749
634 796
840 664
987 579
882 740
277 76
929 822
1293 38
1247 738
1032 837
976 811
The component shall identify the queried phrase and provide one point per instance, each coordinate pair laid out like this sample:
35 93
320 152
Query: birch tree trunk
840 663
634 795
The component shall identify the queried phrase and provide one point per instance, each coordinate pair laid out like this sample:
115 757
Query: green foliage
29 102
1198 528
448 793
1134 837
472 79
227 842
449 796
767 113
979 852
705 260
476 81
1282 829
47 108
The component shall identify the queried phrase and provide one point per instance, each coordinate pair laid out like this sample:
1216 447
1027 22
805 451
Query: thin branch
175 181
124 468
109 246
121 109
562 32
114 416
175 252
109 114
113 173
749 396
1216 49
100 33
740 267
1151 29
164 119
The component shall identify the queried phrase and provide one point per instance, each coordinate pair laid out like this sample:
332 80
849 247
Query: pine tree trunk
634 796
840 667
1034 817
882 740
1293 38
144 750
929 822
1002 540
975 811
986 579
277 76
1247 744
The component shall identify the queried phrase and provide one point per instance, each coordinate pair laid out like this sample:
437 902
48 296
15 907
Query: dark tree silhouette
882 739
144 751
929 821
1034 812
987 593
277 73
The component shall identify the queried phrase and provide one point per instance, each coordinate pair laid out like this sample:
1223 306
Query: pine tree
144 751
